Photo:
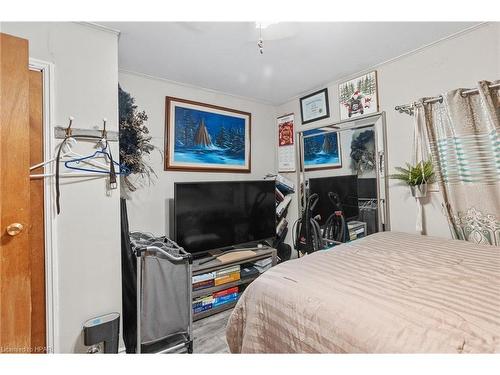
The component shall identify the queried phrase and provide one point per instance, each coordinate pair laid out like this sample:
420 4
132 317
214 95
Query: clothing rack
408 108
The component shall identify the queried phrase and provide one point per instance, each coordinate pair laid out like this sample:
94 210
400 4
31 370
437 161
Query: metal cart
164 295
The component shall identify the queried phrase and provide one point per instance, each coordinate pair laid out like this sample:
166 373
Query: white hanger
68 152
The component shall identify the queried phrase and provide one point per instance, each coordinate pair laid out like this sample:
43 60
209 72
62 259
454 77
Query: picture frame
315 106
206 137
359 96
322 150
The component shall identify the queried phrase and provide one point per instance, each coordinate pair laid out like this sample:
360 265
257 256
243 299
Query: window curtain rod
408 108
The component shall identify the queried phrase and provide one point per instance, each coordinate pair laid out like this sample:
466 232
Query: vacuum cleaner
307 229
336 226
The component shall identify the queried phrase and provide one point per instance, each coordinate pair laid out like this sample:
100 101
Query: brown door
36 230
21 255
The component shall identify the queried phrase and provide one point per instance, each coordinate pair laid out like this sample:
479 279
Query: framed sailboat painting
205 137
321 150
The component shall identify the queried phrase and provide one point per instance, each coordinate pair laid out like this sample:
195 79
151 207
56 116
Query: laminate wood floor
209 334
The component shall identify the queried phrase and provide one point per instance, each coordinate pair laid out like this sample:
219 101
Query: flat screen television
215 215
347 189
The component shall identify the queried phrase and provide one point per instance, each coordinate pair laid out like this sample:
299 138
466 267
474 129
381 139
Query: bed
387 293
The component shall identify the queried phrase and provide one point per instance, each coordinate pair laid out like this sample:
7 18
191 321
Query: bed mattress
387 293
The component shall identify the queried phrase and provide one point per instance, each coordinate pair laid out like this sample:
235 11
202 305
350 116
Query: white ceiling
297 56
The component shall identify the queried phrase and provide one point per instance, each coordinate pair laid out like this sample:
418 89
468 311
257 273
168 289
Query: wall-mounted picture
205 137
314 107
321 150
358 96
363 151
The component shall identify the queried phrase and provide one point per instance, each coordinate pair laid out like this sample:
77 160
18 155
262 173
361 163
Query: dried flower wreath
135 143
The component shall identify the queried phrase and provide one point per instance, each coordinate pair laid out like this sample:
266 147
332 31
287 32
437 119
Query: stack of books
207 280
203 303
215 299
279 196
263 265
284 185
225 296
282 225
248 270
210 279
283 206
227 275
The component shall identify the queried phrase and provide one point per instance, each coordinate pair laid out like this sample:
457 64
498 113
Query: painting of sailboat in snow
321 150
204 137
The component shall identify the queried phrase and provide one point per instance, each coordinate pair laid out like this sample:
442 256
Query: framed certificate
314 106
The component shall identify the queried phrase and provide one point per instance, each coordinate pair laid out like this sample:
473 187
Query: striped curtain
463 136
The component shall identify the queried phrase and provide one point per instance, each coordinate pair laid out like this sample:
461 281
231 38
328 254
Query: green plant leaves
414 175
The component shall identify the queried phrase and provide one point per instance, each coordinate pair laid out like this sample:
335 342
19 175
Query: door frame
50 216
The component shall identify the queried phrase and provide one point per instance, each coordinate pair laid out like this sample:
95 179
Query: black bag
129 286
284 252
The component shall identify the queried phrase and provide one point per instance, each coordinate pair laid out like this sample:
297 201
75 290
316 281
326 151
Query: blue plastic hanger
70 164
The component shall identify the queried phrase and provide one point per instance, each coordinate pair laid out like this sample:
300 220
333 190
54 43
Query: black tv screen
214 215
347 189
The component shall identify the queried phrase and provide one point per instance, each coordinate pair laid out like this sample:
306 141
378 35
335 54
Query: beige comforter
387 293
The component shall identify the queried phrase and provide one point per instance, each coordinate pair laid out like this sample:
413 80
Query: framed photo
314 107
205 137
321 150
358 96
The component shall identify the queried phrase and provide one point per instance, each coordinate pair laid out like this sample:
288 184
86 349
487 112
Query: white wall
148 207
88 228
459 61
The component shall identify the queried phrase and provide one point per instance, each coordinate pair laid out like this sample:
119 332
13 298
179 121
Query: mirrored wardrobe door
342 173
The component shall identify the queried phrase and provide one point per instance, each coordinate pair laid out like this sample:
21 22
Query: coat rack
68 131
86 163
60 133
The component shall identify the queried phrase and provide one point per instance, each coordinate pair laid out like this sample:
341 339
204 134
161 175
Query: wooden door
20 282
36 228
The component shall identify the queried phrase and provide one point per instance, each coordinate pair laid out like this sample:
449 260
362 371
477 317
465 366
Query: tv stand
213 254
213 263
208 253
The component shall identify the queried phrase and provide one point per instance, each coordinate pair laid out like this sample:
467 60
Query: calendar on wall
286 144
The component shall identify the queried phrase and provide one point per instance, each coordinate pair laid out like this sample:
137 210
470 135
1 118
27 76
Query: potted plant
417 177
